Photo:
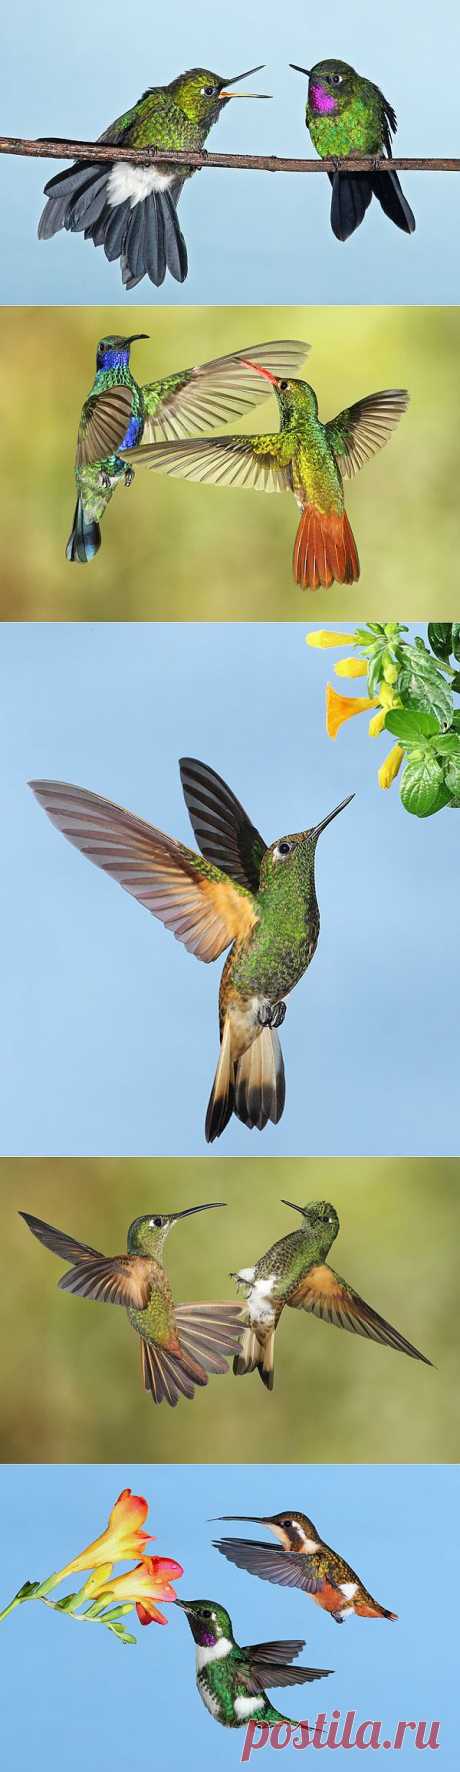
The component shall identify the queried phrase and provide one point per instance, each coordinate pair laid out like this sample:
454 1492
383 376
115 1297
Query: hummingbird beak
299 70
211 1206
250 1519
184 1605
273 379
132 340
234 81
317 828
290 1203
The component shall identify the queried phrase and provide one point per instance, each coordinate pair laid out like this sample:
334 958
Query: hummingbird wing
323 1292
103 425
117 1279
221 826
267 1665
360 430
261 463
285 1568
204 909
211 393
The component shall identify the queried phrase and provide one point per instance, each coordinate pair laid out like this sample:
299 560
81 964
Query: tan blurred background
185 552
70 1370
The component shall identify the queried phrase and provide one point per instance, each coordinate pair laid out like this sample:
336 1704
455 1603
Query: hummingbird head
292 858
147 1234
331 85
320 1223
294 1530
201 94
296 399
209 1623
113 352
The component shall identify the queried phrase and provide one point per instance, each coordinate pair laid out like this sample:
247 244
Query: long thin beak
317 828
211 1206
135 335
251 1519
291 1204
234 80
299 70
184 1605
260 370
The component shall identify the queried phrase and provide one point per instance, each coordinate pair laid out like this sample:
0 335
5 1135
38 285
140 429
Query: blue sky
78 1693
251 237
109 1039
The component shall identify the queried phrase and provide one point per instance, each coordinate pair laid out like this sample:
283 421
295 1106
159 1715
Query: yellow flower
377 723
123 1538
351 667
390 768
342 707
325 637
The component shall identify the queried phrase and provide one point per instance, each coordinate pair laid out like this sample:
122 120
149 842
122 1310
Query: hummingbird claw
104 479
129 476
278 1014
271 1015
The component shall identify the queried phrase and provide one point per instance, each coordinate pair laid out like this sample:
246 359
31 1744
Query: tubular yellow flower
122 1539
142 1587
377 723
351 667
390 768
340 708
326 637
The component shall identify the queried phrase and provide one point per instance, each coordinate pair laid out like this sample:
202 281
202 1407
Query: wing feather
361 430
250 462
104 422
323 1292
212 393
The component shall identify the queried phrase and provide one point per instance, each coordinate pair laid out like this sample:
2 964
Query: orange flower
141 1587
123 1537
342 707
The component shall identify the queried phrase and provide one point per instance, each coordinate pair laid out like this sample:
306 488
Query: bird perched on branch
257 899
305 457
132 210
347 115
304 1561
119 412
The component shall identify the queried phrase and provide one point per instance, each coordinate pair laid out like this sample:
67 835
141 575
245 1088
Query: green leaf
440 638
455 683
375 671
422 788
456 639
448 744
452 775
427 690
410 725
456 720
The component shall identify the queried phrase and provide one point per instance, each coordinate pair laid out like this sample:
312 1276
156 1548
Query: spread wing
360 430
212 393
103 425
204 909
221 826
117 1279
252 462
267 1665
285 1568
325 1294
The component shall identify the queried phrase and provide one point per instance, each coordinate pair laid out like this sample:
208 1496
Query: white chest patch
246 1274
130 184
246 1707
211 1652
209 1699
261 1308
349 1588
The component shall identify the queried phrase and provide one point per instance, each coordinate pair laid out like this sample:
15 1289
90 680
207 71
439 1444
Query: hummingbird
180 1344
304 1561
305 457
132 210
231 1680
295 1272
347 115
257 899
118 413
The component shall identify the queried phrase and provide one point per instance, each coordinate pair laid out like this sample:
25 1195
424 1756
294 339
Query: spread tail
352 194
145 234
324 550
255 1355
85 537
254 1090
207 1335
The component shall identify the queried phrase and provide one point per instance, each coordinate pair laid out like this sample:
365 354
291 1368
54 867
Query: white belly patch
246 1707
130 184
349 1588
260 1306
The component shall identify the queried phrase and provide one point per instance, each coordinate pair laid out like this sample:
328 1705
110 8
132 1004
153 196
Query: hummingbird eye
156 1223
282 850
283 385
334 79
209 91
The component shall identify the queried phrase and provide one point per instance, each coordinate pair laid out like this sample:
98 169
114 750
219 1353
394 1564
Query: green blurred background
71 1387
185 552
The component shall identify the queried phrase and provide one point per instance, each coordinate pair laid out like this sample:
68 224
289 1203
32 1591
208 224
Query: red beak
260 371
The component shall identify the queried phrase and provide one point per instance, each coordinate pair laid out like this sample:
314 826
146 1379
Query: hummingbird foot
104 479
271 1015
278 1015
129 476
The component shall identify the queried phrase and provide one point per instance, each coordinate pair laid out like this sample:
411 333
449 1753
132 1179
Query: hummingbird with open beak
305 457
231 1680
304 1561
295 1272
257 899
347 115
119 412
132 210
180 1344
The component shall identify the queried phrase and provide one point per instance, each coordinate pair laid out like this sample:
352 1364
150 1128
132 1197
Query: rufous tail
256 1355
254 1089
371 1609
324 550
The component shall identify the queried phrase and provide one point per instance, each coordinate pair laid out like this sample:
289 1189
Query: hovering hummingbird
118 412
348 115
231 1681
180 1344
132 210
305 1561
259 900
305 457
295 1272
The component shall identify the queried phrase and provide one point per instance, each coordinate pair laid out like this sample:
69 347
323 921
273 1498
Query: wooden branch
54 149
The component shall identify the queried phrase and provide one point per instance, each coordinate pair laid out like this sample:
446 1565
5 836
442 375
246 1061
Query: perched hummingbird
295 1272
180 1343
118 413
132 210
305 1561
260 899
231 1680
347 115
306 457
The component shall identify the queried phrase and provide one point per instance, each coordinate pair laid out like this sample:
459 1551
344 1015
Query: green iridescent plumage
231 1679
348 115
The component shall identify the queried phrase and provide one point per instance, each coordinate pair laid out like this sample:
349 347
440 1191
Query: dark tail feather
222 1098
393 202
260 1087
69 193
168 1376
256 1356
351 196
85 538
154 243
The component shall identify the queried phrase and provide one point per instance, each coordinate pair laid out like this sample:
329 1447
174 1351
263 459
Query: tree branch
54 149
